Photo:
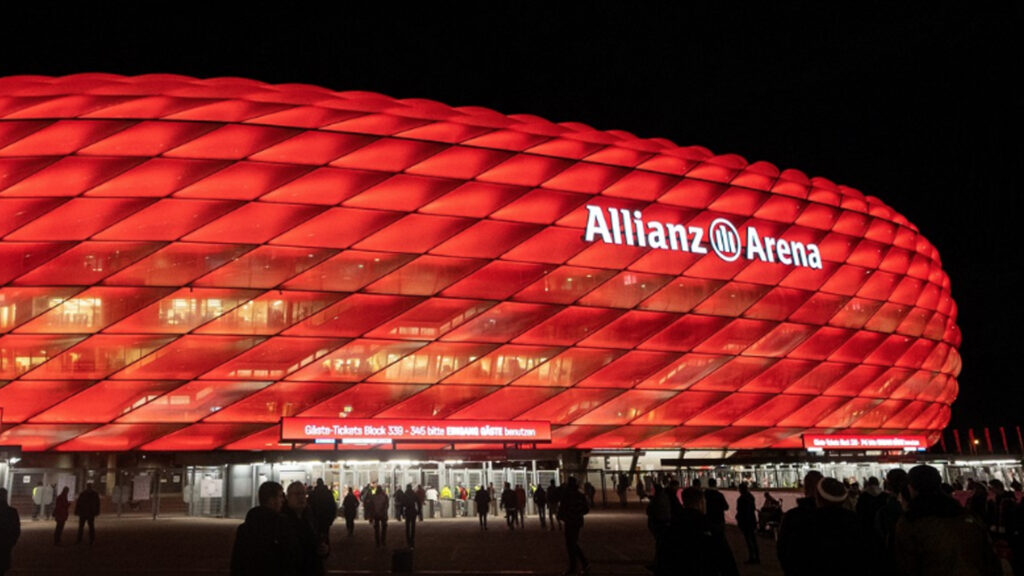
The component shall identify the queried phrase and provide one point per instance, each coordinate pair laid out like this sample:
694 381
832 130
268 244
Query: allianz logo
624 227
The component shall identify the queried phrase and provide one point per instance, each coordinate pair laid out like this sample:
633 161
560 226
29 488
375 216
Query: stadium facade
185 263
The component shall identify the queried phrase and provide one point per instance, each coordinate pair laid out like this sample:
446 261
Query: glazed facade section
184 262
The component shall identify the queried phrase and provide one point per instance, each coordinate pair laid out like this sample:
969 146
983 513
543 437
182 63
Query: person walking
521 505
589 491
715 506
508 502
324 508
311 549
87 508
376 504
349 507
412 511
554 499
483 505
60 514
571 510
421 497
10 531
493 498
746 519
797 529
540 500
399 503
264 545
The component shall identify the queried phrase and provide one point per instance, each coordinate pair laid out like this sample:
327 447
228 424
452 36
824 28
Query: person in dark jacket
87 508
521 505
746 520
310 546
715 506
349 507
797 528
483 504
832 537
690 546
375 502
540 500
264 544
325 509
554 499
411 511
399 503
10 531
571 510
509 503
61 508
886 518
937 536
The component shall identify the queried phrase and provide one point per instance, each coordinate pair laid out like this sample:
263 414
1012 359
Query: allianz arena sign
185 265
631 230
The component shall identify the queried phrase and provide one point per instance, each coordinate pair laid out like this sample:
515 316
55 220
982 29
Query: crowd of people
912 524
288 532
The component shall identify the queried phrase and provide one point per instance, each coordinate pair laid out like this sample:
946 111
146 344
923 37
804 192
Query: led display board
852 442
390 430
184 262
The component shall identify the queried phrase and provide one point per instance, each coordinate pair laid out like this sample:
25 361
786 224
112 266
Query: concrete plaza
616 541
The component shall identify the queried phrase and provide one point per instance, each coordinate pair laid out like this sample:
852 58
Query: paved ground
616 541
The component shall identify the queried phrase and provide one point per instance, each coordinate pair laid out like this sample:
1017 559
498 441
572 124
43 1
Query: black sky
915 104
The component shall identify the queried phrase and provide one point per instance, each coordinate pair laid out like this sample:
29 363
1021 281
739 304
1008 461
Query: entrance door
204 491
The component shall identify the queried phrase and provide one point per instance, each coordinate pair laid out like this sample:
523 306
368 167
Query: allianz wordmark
625 227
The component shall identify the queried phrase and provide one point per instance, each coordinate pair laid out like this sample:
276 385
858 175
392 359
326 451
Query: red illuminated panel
274 359
117 437
569 405
39 437
255 251
176 313
188 357
90 262
356 360
568 368
438 401
625 407
364 400
77 219
96 357
425 276
501 323
510 400
24 398
193 401
177 264
504 365
270 313
432 363
92 310
281 400
346 272
264 267
201 437
19 305
431 319
106 400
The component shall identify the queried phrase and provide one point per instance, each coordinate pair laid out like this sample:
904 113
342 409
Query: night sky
914 104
